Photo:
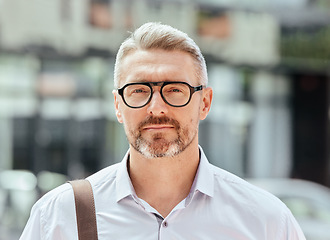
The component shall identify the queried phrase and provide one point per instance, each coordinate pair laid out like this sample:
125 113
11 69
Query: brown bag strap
85 209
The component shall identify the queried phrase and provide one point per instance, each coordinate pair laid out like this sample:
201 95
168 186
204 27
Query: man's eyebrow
139 80
142 80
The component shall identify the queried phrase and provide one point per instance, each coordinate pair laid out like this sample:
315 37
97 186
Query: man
164 188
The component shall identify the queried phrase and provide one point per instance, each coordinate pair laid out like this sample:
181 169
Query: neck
164 182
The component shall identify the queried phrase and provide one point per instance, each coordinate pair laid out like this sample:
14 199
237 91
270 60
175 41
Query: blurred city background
268 63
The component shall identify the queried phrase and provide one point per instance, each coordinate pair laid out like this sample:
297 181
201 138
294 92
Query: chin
158 149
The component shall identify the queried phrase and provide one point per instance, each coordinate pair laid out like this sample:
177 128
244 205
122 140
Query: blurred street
268 64
9 234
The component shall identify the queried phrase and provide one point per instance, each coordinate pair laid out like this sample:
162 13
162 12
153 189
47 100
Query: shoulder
53 215
62 196
105 176
247 195
254 206
62 193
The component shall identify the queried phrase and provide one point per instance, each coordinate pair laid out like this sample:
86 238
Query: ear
206 103
116 103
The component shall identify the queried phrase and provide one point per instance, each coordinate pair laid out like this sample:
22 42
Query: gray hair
159 36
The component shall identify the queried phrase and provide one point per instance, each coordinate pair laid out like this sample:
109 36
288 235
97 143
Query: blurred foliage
308 47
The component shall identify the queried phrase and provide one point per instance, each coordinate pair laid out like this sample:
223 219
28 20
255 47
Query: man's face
158 129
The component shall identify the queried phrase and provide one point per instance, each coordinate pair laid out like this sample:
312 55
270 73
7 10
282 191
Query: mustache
158 121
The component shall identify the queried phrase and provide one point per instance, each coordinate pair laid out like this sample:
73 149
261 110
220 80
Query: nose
157 106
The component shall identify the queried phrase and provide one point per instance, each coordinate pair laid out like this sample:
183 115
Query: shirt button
165 224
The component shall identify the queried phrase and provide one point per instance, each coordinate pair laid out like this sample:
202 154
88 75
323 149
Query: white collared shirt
219 206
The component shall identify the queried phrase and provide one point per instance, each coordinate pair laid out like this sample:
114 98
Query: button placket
164 230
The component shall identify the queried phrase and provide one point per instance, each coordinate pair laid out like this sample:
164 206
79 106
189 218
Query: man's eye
138 91
174 90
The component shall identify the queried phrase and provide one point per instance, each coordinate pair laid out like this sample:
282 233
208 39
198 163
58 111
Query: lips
159 123
158 127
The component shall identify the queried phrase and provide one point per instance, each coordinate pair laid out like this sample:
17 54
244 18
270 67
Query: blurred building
268 64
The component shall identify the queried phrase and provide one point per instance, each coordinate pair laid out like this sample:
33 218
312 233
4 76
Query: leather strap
85 209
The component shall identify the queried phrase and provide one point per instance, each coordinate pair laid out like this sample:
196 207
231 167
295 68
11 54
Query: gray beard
158 147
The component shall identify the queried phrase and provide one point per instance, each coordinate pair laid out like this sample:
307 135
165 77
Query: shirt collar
204 179
124 186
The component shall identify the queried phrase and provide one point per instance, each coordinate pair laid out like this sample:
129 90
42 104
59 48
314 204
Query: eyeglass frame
163 84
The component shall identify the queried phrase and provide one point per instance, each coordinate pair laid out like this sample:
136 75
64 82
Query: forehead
158 65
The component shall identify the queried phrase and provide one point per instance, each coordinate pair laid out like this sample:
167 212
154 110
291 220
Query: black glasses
175 94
